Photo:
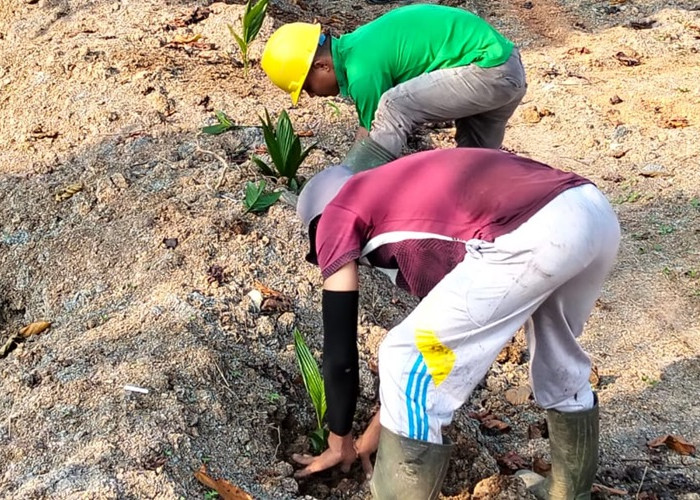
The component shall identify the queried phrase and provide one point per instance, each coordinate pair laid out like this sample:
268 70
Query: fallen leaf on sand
519 395
541 466
27 331
34 328
273 301
68 191
511 462
626 60
675 123
538 430
226 490
185 39
606 490
531 115
594 377
490 422
675 443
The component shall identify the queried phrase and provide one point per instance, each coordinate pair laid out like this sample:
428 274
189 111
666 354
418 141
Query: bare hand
340 451
361 133
368 444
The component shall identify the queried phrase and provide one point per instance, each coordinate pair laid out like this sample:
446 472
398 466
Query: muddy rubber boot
573 441
408 469
366 154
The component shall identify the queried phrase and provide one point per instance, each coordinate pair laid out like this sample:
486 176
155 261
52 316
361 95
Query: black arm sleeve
340 359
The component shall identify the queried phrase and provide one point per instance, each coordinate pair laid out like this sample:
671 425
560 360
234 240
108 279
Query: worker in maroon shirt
490 241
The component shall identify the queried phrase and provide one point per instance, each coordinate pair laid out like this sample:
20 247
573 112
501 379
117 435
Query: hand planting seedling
313 381
256 199
225 124
252 22
284 148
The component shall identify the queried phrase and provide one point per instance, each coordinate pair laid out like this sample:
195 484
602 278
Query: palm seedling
253 18
313 381
284 148
256 199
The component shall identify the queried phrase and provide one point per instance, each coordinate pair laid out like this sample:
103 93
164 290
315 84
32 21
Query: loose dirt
97 93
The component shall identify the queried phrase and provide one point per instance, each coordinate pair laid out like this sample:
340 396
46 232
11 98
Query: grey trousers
480 100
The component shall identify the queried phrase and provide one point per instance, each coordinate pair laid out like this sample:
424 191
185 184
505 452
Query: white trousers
550 269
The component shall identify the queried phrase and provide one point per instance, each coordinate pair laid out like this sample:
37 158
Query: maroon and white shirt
412 217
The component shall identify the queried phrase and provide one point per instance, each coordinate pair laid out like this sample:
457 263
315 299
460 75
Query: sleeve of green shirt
366 91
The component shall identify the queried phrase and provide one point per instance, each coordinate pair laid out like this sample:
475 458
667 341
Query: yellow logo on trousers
438 357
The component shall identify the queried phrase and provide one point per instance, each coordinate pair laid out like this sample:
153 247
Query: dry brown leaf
273 301
511 462
678 122
34 328
626 60
490 422
642 25
538 430
531 115
226 490
594 377
578 50
69 191
675 443
541 466
601 488
185 39
519 395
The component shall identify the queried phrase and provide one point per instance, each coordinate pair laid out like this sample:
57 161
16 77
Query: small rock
285 323
615 100
528 5
256 298
119 181
500 487
518 395
620 132
654 170
170 243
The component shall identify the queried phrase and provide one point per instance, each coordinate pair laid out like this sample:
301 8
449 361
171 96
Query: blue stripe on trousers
420 412
409 410
416 396
424 407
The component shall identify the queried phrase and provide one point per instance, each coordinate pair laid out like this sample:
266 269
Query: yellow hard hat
288 56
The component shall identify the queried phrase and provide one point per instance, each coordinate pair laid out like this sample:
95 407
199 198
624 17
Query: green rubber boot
573 441
408 469
366 154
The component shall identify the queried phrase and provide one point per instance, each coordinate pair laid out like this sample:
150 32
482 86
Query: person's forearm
340 358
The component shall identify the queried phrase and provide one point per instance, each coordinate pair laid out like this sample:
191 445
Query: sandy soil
95 92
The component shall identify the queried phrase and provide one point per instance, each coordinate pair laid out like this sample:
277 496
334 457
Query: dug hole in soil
145 270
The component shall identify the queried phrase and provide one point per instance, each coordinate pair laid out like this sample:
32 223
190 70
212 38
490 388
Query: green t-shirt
407 42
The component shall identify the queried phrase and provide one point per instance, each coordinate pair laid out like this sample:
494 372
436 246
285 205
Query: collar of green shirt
339 65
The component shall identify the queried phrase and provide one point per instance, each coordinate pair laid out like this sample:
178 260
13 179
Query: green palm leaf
313 381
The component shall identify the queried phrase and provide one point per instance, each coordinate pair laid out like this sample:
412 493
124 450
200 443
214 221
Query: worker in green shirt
415 64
